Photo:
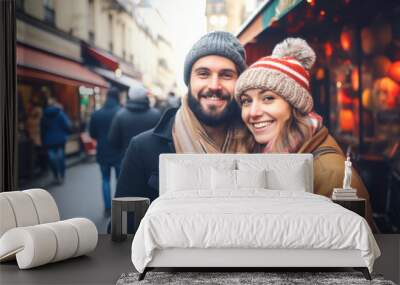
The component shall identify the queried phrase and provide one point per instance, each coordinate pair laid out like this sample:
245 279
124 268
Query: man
206 122
136 117
55 127
107 156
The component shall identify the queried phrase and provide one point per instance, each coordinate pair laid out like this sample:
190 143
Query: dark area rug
228 278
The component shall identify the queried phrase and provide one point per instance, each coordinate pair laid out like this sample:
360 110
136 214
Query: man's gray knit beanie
216 43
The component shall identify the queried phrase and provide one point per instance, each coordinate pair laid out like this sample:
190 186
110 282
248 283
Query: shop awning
269 12
104 58
123 80
41 65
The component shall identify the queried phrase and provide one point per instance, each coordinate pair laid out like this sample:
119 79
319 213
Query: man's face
212 84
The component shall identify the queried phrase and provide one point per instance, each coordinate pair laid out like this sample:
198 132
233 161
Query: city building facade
229 15
74 51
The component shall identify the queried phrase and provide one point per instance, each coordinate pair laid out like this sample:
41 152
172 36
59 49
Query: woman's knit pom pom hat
285 72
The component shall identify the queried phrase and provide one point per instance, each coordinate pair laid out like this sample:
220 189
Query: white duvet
253 218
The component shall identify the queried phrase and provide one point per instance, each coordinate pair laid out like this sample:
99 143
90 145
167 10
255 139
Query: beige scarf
189 135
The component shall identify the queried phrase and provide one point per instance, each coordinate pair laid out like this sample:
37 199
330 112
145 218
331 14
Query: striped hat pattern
285 72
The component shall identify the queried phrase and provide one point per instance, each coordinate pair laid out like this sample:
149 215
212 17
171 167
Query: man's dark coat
139 172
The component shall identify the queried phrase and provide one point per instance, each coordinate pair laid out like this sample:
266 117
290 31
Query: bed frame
242 259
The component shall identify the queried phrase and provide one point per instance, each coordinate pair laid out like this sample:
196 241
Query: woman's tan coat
329 170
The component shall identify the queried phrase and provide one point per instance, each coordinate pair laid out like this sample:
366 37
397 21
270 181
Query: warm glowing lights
311 2
328 48
322 13
387 93
345 40
346 120
366 98
338 84
343 98
355 79
118 73
394 71
320 74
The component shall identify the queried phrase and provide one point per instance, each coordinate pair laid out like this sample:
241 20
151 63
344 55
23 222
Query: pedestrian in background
136 117
107 156
55 127
173 100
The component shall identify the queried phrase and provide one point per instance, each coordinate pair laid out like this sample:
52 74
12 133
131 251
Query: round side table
119 208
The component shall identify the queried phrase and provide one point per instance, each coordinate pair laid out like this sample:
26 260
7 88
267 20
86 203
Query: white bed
247 210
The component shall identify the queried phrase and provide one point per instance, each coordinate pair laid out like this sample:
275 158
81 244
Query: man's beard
230 112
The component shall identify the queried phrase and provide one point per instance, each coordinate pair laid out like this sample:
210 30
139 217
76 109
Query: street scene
199 141
109 69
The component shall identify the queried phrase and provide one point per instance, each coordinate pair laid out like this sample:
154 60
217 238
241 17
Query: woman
276 104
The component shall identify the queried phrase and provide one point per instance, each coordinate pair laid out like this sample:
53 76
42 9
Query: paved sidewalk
81 194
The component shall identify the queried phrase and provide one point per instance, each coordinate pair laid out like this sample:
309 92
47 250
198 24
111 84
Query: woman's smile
262 126
264 113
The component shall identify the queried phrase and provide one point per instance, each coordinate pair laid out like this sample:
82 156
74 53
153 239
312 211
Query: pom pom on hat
298 49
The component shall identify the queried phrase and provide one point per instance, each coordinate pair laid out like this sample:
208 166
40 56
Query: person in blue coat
55 127
107 156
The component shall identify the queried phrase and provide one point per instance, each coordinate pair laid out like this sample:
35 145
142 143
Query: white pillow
182 177
223 179
251 178
236 179
294 179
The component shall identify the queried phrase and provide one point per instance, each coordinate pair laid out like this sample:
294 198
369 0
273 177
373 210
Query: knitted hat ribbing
285 73
216 43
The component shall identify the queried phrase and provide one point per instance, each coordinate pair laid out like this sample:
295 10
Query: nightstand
119 208
356 205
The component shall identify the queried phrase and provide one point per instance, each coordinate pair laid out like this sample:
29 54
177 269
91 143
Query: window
216 7
110 32
92 37
91 21
49 13
123 42
162 63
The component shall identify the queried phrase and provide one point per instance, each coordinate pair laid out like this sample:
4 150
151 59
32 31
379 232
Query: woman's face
264 113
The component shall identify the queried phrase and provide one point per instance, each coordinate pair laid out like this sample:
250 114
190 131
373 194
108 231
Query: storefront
356 79
41 74
116 72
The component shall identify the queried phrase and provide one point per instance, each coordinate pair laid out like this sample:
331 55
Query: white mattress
253 218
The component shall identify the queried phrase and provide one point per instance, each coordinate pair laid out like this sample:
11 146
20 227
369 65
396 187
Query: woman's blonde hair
293 134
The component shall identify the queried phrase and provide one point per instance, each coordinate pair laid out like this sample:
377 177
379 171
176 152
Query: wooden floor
389 262
106 264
